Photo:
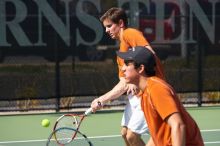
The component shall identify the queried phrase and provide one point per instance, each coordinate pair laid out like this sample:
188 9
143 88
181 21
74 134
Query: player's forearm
116 92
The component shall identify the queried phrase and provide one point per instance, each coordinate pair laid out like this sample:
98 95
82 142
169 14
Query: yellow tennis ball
45 122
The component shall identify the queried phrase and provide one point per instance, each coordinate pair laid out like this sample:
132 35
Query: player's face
130 73
111 28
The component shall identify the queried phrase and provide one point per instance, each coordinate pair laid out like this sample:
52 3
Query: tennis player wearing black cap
168 121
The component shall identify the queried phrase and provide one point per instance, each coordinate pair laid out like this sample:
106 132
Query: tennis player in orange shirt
168 122
133 121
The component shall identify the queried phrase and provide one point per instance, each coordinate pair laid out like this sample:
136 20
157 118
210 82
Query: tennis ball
45 122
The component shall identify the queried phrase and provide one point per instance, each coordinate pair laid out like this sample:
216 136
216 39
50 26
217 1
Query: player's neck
121 32
142 83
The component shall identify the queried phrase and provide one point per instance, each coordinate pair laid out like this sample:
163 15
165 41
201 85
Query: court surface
102 128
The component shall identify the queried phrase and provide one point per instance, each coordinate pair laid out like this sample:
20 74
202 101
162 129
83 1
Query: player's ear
141 69
121 23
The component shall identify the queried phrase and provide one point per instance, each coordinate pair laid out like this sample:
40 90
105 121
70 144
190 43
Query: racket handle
88 111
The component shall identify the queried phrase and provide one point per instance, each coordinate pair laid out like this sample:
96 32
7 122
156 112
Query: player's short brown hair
115 14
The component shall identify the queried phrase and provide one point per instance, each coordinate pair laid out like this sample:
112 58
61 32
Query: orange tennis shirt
160 101
131 38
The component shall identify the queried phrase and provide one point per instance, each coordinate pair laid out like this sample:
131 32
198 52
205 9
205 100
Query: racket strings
68 121
64 136
66 130
76 121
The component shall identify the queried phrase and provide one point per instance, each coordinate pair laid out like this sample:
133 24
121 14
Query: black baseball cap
140 55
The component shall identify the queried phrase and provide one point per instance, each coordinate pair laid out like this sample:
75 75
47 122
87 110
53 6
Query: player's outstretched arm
116 92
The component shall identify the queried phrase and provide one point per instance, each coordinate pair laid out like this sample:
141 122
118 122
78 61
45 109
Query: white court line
212 142
41 140
97 137
211 130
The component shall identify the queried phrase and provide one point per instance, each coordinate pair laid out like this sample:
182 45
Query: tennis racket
70 121
65 136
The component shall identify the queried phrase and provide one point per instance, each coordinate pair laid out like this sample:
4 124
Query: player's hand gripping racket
69 121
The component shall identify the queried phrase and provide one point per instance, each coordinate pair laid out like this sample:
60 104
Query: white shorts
133 117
